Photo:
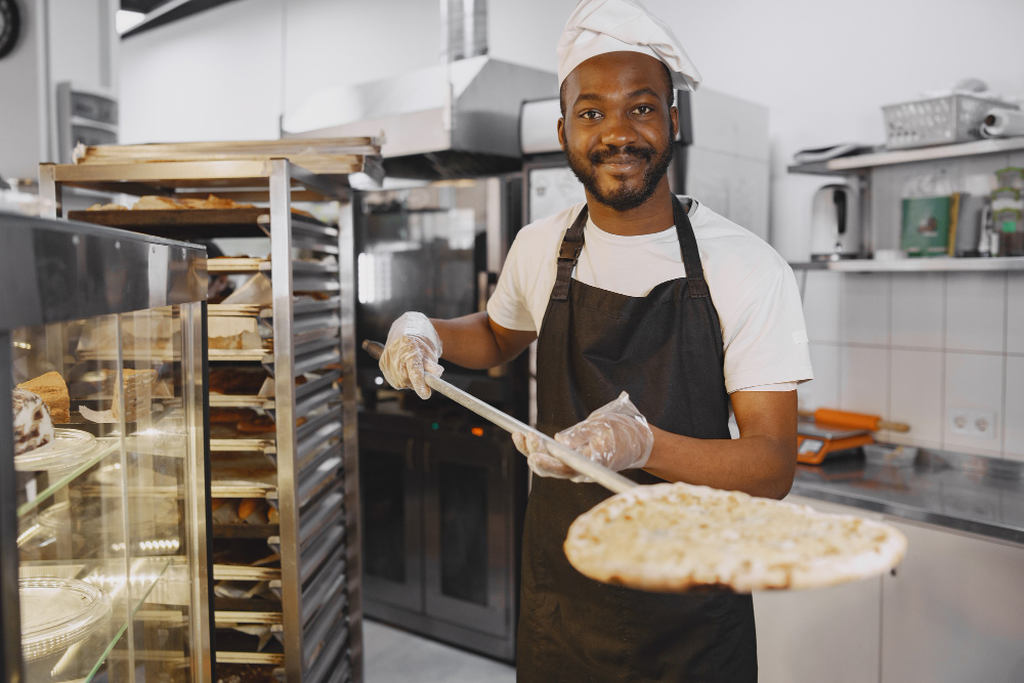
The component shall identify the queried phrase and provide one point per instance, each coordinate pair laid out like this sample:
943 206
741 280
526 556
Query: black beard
624 198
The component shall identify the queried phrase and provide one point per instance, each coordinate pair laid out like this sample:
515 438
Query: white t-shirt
752 287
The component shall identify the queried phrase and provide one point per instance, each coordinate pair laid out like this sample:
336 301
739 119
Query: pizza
679 537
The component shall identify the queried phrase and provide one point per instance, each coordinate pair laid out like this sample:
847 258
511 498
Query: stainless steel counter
969 493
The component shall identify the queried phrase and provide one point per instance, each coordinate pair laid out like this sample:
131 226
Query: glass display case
104 567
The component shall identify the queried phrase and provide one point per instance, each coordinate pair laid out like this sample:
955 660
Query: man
641 292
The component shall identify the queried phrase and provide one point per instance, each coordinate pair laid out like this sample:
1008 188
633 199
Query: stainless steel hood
451 120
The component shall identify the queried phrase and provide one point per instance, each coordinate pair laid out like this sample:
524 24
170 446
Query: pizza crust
679 537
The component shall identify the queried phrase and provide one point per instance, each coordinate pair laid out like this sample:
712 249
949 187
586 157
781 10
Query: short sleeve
509 304
766 338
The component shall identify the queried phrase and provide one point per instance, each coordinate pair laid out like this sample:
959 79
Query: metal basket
936 121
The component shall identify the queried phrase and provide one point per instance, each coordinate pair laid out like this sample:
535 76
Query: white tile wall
916 347
916 396
975 309
1015 313
823 390
918 310
864 379
864 308
1013 432
821 304
974 388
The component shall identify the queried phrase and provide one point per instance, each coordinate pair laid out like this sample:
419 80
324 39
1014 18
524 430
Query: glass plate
56 613
68 448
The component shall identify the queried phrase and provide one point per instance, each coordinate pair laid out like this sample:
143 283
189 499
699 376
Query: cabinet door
468 531
824 634
392 506
954 610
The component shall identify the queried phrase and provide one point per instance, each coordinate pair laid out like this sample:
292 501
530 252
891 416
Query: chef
655 318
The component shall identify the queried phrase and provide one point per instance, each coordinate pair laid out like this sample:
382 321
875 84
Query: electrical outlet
960 422
976 424
983 424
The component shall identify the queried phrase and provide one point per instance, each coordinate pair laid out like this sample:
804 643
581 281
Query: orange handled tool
842 418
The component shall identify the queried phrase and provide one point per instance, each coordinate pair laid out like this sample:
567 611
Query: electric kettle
835 223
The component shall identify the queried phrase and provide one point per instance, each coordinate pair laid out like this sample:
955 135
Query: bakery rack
306 469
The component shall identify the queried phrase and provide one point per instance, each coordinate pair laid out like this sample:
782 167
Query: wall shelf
916 265
864 162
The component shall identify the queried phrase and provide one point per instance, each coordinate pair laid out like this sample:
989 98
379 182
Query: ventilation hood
451 120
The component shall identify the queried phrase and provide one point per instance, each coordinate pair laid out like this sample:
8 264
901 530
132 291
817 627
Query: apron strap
696 285
568 254
572 245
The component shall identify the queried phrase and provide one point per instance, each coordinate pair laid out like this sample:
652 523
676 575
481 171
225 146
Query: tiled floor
395 656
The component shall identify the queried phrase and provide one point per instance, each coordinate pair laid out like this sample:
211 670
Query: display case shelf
103 449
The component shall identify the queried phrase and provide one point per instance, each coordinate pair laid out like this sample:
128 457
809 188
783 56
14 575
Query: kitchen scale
814 440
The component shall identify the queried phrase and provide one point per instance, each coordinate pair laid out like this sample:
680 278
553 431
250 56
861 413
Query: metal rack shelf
864 162
314 477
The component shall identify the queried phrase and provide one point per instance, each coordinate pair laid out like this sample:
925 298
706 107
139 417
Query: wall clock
10 25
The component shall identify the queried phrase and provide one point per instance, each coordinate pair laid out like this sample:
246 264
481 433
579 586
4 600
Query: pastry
32 424
245 381
51 388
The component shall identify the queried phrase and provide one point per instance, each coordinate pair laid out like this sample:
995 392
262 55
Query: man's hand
615 435
412 349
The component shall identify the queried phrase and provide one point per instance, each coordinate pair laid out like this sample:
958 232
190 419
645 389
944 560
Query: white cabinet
954 611
826 634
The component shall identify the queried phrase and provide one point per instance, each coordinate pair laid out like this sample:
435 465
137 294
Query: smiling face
618 126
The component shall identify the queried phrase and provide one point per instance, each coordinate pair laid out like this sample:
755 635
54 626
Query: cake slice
54 391
32 424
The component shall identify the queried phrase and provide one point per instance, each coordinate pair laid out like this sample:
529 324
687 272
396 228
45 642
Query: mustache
626 152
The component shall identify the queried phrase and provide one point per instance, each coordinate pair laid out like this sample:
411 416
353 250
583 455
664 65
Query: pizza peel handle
613 481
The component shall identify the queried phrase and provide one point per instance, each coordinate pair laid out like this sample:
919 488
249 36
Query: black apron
665 349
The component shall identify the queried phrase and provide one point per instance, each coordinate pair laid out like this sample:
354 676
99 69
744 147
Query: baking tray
242 355
240 401
265 446
231 264
274 658
181 223
236 572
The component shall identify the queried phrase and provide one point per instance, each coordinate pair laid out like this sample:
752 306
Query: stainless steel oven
444 492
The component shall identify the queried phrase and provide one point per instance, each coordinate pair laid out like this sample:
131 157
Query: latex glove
412 349
615 435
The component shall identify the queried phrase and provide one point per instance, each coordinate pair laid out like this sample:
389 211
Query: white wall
60 40
22 72
213 76
339 42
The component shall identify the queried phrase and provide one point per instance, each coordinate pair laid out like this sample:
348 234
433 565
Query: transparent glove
412 349
615 435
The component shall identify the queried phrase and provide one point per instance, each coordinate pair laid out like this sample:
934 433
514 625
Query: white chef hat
599 26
